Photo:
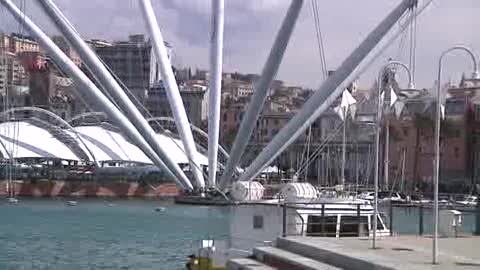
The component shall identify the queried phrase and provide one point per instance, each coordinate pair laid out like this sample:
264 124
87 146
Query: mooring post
420 220
284 220
391 218
477 222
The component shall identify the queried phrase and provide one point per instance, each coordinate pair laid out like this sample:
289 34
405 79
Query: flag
353 110
393 96
347 99
340 112
398 108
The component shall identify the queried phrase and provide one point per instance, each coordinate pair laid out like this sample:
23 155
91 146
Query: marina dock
398 253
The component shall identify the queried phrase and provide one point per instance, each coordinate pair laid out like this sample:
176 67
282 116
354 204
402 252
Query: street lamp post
377 138
436 167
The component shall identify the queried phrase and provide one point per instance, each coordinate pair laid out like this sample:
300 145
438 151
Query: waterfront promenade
402 252
394 253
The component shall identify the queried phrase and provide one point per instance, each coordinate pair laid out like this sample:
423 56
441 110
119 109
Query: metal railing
399 219
326 224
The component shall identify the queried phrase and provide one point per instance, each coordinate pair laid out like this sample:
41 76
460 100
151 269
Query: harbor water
130 234
125 234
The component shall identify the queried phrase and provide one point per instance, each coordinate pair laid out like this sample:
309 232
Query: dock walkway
393 253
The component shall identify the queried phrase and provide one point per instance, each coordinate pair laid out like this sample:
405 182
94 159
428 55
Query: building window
457 133
258 222
457 152
225 117
405 132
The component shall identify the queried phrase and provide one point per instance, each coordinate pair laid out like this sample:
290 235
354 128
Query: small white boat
302 213
383 196
160 209
469 201
12 200
72 203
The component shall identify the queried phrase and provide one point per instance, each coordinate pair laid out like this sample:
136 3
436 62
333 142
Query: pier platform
395 253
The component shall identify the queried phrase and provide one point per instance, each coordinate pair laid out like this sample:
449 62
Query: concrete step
336 255
247 264
286 260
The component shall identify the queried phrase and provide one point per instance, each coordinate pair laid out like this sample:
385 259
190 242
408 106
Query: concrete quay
399 253
392 253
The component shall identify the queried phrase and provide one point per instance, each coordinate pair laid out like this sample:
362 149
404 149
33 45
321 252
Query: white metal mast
344 145
90 89
215 88
108 82
325 96
261 90
173 94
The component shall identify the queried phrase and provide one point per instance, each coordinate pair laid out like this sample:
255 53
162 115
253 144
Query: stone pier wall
89 189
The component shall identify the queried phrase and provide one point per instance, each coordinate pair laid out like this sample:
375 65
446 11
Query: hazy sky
251 26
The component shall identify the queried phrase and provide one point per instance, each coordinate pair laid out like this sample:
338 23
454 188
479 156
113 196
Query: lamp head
476 75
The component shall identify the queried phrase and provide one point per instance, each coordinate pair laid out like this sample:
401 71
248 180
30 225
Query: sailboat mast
323 98
308 152
403 169
344 146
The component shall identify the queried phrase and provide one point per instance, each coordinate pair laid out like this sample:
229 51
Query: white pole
84 84
215 88
403 170
387 146
344 146
325 96
261 90
436 167
308 152
105 78
378 128
173 94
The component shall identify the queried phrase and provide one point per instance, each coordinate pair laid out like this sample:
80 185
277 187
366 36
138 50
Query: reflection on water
131 234
125 234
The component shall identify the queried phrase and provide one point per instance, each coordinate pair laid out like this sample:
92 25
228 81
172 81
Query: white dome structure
247 191
27 139
299 192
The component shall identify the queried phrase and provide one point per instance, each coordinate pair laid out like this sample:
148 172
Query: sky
251 26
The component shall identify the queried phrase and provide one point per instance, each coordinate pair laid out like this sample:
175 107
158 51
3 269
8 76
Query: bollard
284 220
477 222
391 218
420 220
323 220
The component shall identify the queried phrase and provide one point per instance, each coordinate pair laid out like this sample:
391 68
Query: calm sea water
128 234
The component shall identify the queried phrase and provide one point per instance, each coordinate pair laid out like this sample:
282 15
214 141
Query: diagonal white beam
215 88
329 91
89 88
108 82
261 90
173 94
